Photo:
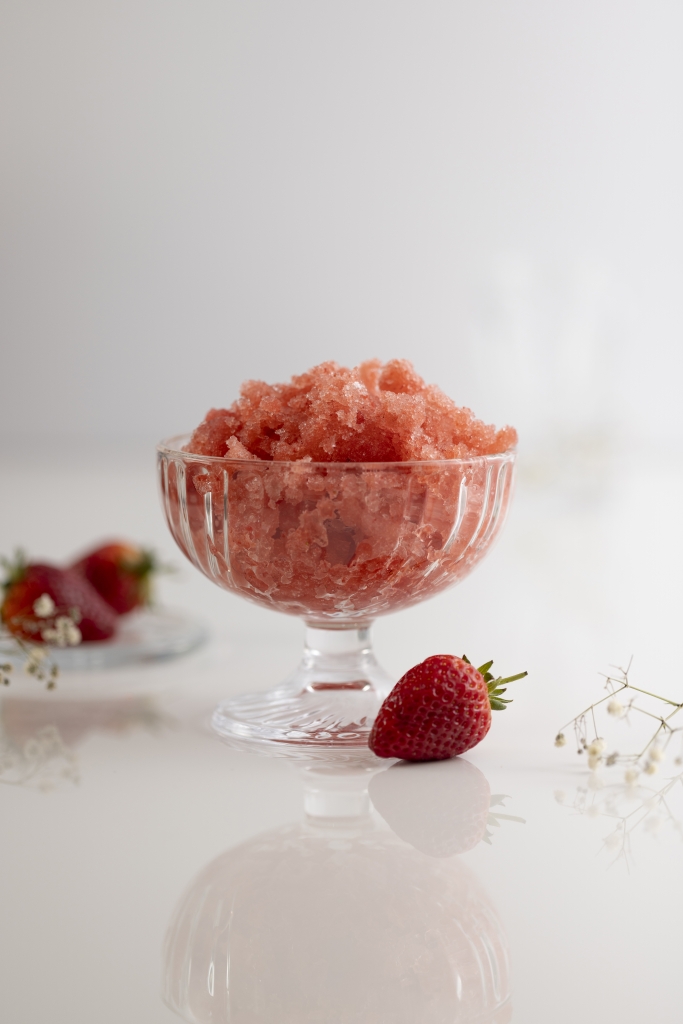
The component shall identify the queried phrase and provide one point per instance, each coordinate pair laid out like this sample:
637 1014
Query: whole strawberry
438 709
45 604
120 573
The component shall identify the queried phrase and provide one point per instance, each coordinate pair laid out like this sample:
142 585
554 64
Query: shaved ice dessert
373 413
341 495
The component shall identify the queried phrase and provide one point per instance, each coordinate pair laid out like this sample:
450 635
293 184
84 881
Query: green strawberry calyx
496 685
142 567
15 569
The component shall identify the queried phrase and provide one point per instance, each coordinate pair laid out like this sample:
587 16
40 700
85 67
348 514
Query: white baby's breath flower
650 759
65 633
44 606
75 635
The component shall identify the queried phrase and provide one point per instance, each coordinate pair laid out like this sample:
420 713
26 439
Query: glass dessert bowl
337 544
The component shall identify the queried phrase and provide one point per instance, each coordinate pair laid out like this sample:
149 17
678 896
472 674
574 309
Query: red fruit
120 573
71 595
438 709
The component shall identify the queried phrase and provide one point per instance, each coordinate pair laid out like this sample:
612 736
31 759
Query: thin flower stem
590 707
595 728
655 695
642 711
652 738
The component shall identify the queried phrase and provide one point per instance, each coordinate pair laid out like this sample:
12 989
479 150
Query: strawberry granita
373 413
340 496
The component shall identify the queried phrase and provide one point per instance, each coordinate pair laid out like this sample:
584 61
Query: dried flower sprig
60 630
621 706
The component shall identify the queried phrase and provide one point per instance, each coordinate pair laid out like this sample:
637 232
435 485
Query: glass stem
340 659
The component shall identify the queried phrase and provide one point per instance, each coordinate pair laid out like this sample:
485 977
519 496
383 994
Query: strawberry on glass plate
62 611
43 604
149 634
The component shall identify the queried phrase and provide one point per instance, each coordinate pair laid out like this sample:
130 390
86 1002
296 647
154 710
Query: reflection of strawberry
68 595
441 809
439 708
120 573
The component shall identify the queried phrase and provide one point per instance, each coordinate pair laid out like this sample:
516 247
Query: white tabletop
138 851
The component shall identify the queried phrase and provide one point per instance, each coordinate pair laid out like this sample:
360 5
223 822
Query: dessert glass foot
331 698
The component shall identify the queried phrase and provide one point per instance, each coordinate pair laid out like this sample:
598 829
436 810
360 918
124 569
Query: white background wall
198 191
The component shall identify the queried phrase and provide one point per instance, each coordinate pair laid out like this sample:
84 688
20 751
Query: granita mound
295 523
376 412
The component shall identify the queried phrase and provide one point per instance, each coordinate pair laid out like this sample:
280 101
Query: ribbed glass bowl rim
171 446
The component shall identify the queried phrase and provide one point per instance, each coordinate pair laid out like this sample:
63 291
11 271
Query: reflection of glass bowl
336 920
337 544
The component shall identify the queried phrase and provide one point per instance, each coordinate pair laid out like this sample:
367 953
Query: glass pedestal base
326 707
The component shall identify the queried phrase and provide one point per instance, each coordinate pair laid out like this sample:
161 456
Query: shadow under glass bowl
336 544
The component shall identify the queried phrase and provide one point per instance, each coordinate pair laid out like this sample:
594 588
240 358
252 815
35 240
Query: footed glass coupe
337 544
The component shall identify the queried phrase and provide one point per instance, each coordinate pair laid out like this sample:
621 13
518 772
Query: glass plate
151 634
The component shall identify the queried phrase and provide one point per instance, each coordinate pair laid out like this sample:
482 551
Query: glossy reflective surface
335 918
150 874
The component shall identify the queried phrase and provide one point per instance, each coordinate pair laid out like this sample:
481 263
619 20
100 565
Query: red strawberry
439 708
120 573
68 596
